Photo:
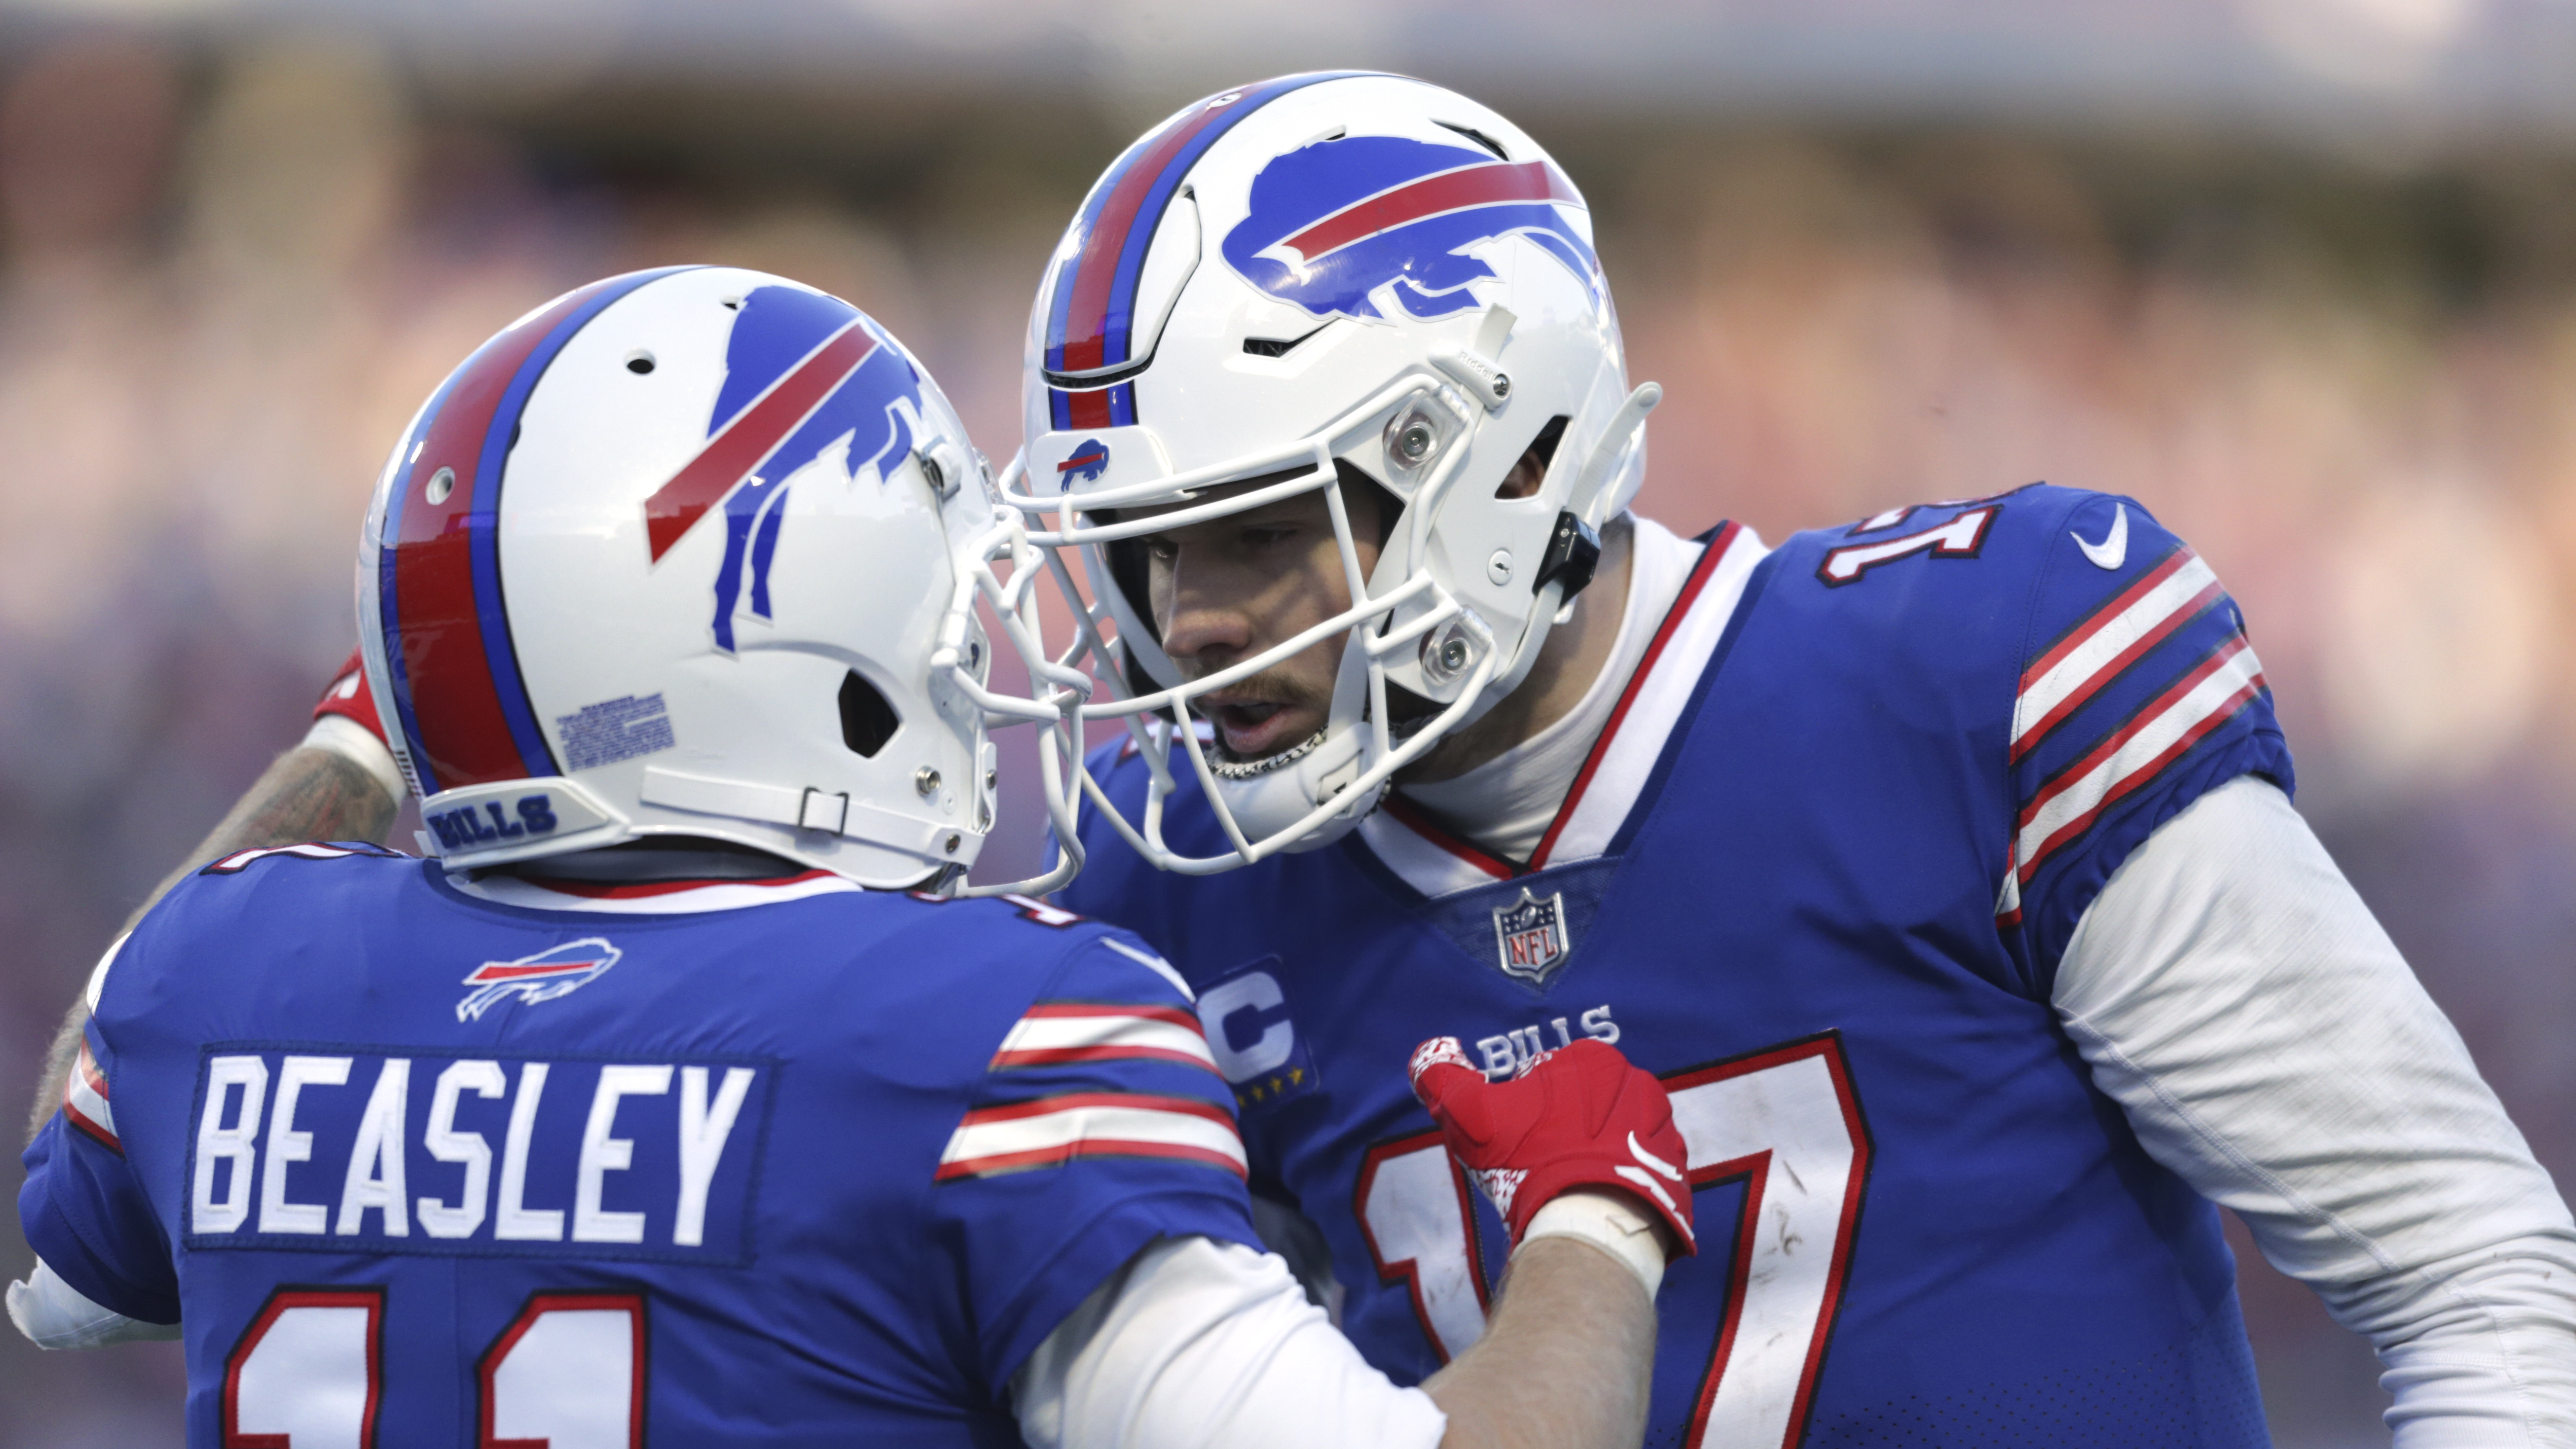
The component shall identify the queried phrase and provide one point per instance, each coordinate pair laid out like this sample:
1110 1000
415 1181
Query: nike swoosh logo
1638 1151
2113 550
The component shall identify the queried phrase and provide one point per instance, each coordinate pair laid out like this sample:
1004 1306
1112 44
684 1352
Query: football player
680 1095
1942 862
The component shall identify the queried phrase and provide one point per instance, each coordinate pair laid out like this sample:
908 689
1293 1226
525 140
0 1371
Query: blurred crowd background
2299 275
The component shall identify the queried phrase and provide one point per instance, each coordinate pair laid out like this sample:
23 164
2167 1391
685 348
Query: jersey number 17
1785 1123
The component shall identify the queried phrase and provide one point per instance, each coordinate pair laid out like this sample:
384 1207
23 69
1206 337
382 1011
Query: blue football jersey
421 1164
1817 875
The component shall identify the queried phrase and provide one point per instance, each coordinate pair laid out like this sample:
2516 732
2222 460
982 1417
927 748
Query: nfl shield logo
1529 936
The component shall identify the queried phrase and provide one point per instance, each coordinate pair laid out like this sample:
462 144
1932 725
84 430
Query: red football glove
347 696
1576 1117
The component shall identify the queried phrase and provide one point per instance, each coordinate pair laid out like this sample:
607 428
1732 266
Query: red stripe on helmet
751 437
1448 191
1086 317
457 709
1088 409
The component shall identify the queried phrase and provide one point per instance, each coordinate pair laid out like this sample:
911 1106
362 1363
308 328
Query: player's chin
1258 730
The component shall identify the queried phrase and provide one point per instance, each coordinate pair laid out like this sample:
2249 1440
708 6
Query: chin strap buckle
1573 556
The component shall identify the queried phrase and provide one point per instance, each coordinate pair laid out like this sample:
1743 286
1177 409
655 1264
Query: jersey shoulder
1067 989
1045 946
2082 660
1976 555
1977 591
245 896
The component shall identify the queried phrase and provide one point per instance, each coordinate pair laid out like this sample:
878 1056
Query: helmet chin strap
1591 485
1562 572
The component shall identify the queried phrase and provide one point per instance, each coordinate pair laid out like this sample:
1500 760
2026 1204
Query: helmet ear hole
1131 573
867 719
1357 484
1527 475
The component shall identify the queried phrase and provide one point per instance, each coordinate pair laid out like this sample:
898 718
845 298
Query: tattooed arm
310 793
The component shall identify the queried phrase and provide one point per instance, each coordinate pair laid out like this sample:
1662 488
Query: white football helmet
1316 274
696 552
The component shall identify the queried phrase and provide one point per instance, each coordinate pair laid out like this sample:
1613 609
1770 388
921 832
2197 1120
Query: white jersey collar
1614 775
654 898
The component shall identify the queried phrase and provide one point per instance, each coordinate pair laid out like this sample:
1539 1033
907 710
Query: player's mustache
1267 687
1248 702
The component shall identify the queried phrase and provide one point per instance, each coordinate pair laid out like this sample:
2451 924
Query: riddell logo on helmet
1333 222
1088 462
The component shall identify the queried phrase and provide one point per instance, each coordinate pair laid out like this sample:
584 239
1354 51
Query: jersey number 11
309 1372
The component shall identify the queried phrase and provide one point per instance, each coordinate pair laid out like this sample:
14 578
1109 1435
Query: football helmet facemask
1300 281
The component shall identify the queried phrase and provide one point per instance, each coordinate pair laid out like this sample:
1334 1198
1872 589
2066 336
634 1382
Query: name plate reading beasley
329 1148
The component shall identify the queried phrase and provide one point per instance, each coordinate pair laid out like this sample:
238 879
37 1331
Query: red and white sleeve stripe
2206 697
2115 636
1057 1032
1056 1129
85 1101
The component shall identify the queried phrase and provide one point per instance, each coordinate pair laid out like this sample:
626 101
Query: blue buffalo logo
807 378
1333 222
1086 465
558 971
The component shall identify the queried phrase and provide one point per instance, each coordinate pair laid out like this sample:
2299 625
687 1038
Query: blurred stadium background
2300 275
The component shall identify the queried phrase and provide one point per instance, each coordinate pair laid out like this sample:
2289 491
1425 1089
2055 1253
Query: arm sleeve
82 1209
1100 1125
2267 1042
54 1314
1199 1342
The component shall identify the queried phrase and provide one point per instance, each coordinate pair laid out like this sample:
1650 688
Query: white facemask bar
1057 691
1153 736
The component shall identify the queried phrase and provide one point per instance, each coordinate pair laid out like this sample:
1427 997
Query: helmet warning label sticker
614 730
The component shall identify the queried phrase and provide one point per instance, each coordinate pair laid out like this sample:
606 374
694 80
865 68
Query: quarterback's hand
1580 1117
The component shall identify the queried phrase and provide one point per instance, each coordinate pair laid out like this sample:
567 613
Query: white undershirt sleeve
54 1314
1196 1342
2230 990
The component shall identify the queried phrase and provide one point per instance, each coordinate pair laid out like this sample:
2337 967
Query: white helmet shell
1293 280
689 552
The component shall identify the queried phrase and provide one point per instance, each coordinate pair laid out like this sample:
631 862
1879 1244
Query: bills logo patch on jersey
542 977
1530 941
807 379
1335 223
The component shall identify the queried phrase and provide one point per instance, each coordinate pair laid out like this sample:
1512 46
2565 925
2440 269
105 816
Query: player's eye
1160 548
1267 536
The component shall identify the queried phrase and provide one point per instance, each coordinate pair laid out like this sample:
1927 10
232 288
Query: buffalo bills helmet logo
1335 221
542 977
807 378
1085 466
